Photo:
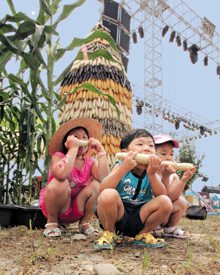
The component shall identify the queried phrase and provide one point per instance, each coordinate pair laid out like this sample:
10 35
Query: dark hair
66 135
136 133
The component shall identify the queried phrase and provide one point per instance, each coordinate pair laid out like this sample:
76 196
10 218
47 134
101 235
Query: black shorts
130 224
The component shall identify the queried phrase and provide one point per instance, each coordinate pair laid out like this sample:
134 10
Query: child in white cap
174 185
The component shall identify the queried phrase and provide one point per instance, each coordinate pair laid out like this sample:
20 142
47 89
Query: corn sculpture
108 77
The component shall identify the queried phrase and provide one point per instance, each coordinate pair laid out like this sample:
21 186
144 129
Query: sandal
107 241
148 240
88 231
175 232
52 233
157 231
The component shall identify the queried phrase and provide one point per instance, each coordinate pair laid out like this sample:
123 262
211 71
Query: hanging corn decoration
108 77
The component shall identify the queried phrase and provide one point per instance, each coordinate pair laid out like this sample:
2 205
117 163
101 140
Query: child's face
165 152
82 135
79 133
142 145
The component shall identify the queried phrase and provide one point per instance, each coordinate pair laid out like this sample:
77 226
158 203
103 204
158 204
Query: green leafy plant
190 252
28 98
188 154
213 242
146 261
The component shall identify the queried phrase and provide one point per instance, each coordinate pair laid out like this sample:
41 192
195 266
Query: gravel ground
24 251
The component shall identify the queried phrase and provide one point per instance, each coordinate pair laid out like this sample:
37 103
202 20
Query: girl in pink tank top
73 184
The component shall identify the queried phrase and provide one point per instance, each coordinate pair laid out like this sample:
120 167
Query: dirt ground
24 251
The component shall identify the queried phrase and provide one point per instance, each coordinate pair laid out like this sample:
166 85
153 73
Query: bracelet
101 154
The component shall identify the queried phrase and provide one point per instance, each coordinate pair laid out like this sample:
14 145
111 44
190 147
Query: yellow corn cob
103 139
121 99
112 84
112 148
71 98
104 85
108 82
112 139
106 148
108 140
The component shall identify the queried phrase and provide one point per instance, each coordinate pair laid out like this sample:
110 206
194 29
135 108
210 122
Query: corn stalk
35 45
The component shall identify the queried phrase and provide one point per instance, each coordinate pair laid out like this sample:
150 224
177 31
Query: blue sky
194 87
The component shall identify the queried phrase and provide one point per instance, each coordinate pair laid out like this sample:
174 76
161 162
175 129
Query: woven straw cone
107 76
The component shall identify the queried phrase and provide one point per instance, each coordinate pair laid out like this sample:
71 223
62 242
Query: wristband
101 154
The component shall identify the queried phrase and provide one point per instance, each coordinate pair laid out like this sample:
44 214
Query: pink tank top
78 178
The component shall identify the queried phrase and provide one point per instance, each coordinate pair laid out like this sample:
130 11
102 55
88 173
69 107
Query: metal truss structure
153 16
181 114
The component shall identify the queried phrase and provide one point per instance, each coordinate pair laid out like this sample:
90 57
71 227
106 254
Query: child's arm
100 168
166 172
175 188
117 173
62 167
153 167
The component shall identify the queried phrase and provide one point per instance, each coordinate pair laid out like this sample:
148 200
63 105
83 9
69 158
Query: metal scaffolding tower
185 24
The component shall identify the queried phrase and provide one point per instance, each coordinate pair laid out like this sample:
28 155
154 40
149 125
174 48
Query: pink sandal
175 232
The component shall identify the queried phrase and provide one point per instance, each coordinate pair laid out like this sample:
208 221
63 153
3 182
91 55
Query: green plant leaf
25 29
63 74
21 44
58 97
54 8
93 89
40 57
37 36
56 5
67 10
96 54
39 114
30 61
7 42
4 58
188 154
96 34
213 242
51 30
11 6
77 42
18 80
41 15
60 104
44 107
54 125
45 7
20 16
4 96
7 28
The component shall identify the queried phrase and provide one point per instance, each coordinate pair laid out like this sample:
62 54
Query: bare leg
155 212
110 209
179 208
87 199
57 200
